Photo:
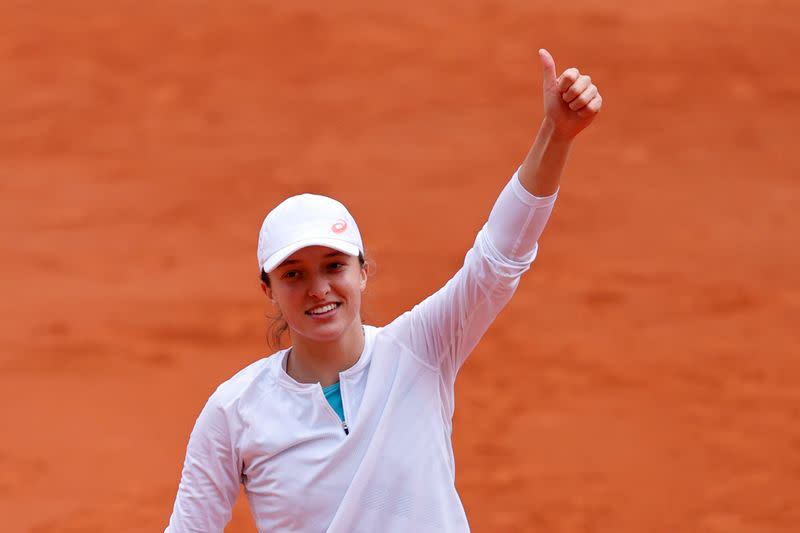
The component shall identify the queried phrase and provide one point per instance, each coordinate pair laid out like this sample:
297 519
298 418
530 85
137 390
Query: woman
349 429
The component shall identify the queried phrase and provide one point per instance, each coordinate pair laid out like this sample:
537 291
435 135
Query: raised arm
444 328
571 102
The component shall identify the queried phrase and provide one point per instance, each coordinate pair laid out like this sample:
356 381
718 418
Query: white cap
306 220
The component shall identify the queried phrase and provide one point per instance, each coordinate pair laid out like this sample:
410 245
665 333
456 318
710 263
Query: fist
571 101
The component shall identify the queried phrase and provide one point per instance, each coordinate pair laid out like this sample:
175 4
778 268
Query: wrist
541 170
553 134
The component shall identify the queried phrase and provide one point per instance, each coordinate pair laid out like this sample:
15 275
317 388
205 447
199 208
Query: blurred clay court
646 377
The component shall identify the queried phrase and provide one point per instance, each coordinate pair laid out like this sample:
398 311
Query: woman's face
318 291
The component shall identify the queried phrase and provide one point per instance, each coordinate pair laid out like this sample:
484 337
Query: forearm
541 170
517 220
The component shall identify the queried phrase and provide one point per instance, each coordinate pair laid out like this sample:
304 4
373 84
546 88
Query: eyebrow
295 261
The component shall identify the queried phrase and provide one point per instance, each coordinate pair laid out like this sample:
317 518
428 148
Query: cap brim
280 256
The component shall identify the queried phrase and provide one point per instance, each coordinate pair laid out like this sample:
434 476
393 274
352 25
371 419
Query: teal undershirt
334 396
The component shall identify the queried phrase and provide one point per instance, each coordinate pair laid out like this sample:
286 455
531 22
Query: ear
364 276
267 291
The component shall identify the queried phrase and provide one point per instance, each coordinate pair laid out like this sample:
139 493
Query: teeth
323 309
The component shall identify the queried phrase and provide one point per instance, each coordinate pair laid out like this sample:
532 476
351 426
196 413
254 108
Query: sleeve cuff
530 199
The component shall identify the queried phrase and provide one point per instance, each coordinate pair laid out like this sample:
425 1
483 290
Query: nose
319 287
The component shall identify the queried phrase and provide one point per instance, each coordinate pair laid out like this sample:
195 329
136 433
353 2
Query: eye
336 266
290 274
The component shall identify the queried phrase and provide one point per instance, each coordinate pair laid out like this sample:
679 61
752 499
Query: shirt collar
278 364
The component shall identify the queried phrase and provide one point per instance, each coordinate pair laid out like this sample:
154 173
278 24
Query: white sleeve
444 328
517 221
211 476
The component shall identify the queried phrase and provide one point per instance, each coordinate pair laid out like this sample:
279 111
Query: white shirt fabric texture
394 472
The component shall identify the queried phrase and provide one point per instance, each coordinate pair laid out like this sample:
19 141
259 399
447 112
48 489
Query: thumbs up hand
571 100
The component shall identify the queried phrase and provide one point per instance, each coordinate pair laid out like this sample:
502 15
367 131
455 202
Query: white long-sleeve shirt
394 472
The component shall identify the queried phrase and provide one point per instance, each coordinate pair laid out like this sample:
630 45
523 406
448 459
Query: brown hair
278 325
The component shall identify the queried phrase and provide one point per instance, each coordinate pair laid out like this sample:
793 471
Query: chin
330 332
324 334
321 332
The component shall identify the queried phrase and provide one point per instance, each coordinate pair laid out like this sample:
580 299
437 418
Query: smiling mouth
324 309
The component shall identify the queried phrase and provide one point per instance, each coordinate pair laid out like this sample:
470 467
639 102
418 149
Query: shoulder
242 383
397 339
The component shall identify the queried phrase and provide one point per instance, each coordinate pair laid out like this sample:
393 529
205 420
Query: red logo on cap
339 226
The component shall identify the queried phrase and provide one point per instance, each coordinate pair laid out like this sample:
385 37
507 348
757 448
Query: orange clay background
646 376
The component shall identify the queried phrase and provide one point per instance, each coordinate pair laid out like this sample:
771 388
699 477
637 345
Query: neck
312 361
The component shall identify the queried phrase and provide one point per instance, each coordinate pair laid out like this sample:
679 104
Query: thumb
548 67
